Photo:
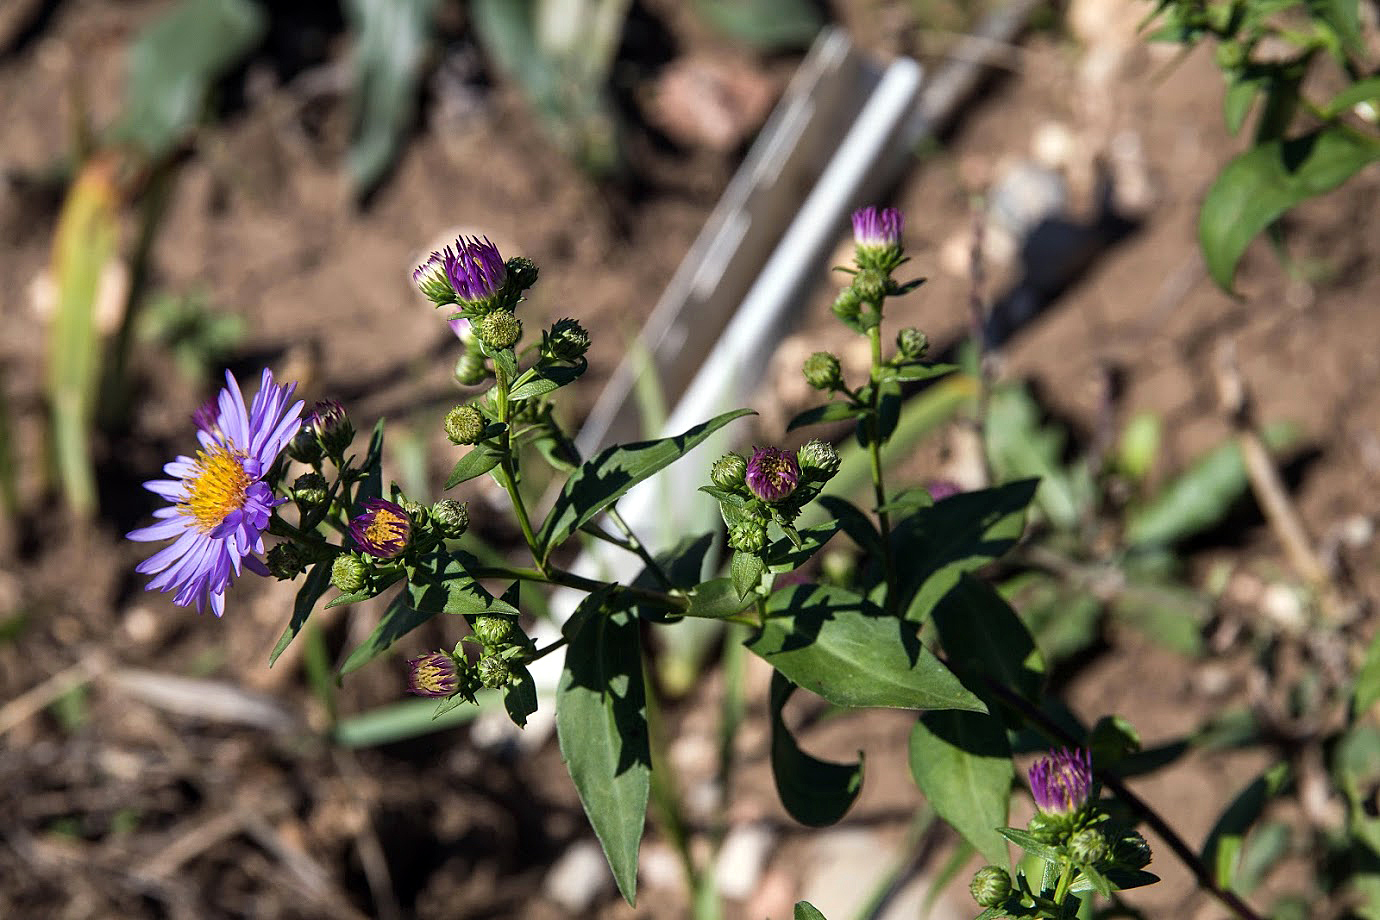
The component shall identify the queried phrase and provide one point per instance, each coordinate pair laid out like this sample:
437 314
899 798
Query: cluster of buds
877 254
772 485
472 275
387 531
326 432
1070 822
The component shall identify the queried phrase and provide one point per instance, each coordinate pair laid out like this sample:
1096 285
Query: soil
124 795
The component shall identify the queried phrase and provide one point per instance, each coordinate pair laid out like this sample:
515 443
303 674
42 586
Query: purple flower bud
382 530
331 424
475 270
1062 781
772 473
877 229
434 675
941 489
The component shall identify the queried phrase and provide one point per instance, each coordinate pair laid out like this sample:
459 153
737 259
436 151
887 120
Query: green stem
555 576
507 468
636 545
543 652
1061 889
874 427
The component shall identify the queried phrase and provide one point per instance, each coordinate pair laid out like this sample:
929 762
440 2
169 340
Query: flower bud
475 270
464 425
871 285
304 447
748 535
848 305
286 561
332 427
1045 828
991 885
772 474
522 273
566 341
728 472
435 675
430 278
912 343
1131 850
452 517
818 460
494 672
941 489
1088 847
470 370
309 490
822 371
383 530
493 630
499 329
348 573
1062 781
877 229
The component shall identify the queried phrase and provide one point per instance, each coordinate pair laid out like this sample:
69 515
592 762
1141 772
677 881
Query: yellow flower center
386 527
218 488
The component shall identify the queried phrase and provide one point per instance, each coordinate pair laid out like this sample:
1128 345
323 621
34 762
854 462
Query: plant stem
636 546
543 652
1139 806
552 575
874 439
508 469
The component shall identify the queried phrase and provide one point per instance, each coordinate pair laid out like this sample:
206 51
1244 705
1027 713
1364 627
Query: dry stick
1137 805
34 700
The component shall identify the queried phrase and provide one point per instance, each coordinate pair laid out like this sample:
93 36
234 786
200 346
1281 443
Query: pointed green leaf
398 620
1031 844
785 556
1367 690
983 636
371 486
477 461
912 373
1223 844
546 378
804 910
315 585
717 599
1261 184
603 480
852 521
830 412
601 723
962 763
815 792
836 644
766 25
746 571
520 697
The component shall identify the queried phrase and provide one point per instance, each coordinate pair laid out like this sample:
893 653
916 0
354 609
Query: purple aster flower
383 529
433 675
219 505
475 270
1062 781
772 473
877 229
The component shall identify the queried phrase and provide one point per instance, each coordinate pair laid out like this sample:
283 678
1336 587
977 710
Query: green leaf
1264 850
888 414
746 572
601 723
1031 844
962 763
1367 90
912 373
1169 614
1261 184
371 486
1064 619
1236 103
983 637
601 481
546 378
767 25
317 581
520 697
1019 446
852 521
804 910
830 412
440 583
785 556
1223 844
398 620
1200 496
406 719
836 644
1114 880
717 599
1367 690
815 792
960 534
1344 19
477 461
390 38
174 62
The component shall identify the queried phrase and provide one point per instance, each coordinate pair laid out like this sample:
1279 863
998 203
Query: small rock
1283 606
579 877
844 868
742 858
1026 194
1053 145
658 866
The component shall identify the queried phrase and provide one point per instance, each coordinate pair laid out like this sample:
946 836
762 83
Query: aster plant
911 627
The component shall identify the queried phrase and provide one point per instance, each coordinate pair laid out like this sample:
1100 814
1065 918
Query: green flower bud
848 305
332 427
749 536
452 517
499 329
522 273
494 631
818 460
728 472
286 561
305 448
1088 847
309 490
470 370
871 285
912 343
348 573
464 425
822 371
494 672
1131 850
567 341
1046 828
991 885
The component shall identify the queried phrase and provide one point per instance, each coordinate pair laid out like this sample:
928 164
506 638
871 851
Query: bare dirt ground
124 801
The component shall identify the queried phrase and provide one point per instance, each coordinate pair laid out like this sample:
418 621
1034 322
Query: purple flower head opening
326 416
877 229
475 269
218 505
1062 781
433 675
772 473
382 530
